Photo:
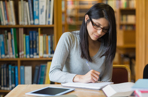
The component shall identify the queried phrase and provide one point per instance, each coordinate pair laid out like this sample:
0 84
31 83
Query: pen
88 65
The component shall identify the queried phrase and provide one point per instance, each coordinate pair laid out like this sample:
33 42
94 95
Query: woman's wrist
77 78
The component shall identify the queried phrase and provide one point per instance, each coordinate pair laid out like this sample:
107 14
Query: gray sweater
67 61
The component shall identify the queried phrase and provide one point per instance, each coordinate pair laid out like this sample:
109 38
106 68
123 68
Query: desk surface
20 91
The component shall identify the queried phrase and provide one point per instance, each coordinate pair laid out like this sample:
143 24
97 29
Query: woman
86 55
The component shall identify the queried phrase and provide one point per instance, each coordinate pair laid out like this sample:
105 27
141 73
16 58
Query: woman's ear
86 18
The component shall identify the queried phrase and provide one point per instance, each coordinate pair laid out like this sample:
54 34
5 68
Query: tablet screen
51 91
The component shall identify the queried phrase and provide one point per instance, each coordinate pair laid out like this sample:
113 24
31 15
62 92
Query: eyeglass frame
98 27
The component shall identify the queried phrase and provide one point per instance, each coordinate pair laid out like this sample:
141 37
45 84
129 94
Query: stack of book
141 88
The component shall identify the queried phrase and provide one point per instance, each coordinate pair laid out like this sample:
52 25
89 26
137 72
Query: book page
97 85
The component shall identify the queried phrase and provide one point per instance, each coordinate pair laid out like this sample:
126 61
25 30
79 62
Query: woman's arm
62 50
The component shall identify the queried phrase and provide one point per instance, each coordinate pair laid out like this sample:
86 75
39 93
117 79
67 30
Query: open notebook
97 85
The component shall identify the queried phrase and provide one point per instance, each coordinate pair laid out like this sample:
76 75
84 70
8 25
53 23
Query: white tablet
50 91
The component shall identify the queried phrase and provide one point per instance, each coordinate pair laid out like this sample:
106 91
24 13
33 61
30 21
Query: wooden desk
20 91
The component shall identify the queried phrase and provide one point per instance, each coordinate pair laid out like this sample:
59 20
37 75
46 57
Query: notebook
96 86
141 84
122 89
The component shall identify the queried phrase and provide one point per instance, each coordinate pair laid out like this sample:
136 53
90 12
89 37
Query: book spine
9 13
43 67
36 12
2 9
47 79
13 76
44 45
7 77
34 44
15 42
12 42
42 12
6 44
31 43
2 77
51 12
10 81
35 74
5 13
1 15
2 47
16 75
25 13
22 12
28 75
22 76
24 46
28 14
27 46
30 11
37 43
12 12
41 46
49 48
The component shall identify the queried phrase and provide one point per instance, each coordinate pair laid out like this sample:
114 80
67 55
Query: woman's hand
91 77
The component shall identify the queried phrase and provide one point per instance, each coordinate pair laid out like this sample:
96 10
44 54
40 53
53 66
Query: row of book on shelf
127 27
34 45
128 18
9 75
116 4
38 12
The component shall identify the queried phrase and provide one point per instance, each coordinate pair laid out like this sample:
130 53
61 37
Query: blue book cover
13 76
2 46
49 9
141 84
12 42
49 46
36 12
39 75
22 74
7 77
43 70
16 75
31 43
30 11
27 46
5 13
35 74
10 81
4 76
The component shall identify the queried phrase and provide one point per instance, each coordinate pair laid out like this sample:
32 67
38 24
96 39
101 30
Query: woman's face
97 28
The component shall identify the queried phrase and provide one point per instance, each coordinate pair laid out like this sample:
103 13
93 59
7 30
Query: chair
145 72
121 73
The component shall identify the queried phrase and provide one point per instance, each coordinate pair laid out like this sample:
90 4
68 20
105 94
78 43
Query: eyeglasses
98 27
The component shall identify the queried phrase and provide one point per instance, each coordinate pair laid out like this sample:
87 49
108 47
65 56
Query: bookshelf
64 16
54 29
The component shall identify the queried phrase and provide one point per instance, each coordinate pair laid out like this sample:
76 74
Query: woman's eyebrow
98 24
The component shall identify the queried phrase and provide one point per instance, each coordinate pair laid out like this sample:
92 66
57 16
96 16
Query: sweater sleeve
62 51
107 75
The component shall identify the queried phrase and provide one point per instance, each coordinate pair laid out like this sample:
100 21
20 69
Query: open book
122 89
97 85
